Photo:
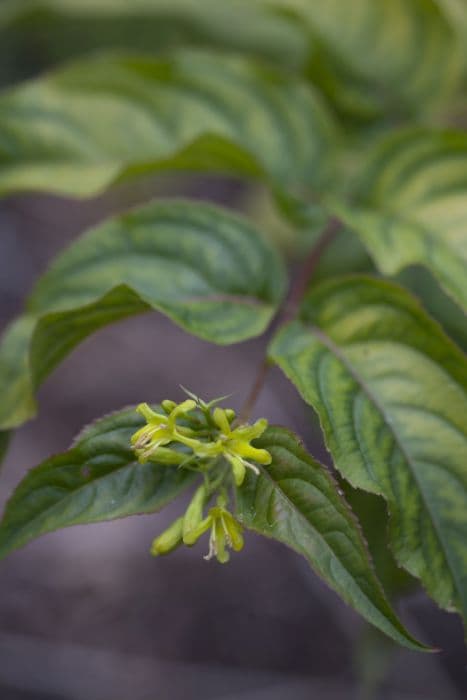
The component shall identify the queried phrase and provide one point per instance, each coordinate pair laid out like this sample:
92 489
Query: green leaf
53 30
295 500
97 479
205 268
371 57
391 393
97 121
412 206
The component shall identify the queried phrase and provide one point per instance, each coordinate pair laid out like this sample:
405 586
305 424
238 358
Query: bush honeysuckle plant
351 116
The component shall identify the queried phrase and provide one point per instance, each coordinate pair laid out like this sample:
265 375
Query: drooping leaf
373 57
295 500
391 393
97 479
45 31
205 268
99 120
412 206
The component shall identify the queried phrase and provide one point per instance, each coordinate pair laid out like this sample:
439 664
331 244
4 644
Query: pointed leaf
99 120
205 268
296 501
413 206
391 393
97 479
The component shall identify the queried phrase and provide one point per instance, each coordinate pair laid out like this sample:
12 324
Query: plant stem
288 310
300 284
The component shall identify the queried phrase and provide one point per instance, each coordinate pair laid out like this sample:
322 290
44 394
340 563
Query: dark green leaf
205 268
106 118
295 500
391 393
97 479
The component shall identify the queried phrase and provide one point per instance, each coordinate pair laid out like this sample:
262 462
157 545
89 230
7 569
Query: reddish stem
289 308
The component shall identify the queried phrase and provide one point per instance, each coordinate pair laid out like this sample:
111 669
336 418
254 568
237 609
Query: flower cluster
202 437
212 438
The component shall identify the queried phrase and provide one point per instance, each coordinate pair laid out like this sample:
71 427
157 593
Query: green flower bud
169 539
168 406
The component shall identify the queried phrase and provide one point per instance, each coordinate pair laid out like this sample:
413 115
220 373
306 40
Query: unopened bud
168 405
169 539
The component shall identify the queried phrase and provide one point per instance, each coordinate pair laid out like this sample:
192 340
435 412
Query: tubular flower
225 532
161 429
235 444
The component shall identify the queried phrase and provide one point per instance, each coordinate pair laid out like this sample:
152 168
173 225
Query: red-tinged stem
289 309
